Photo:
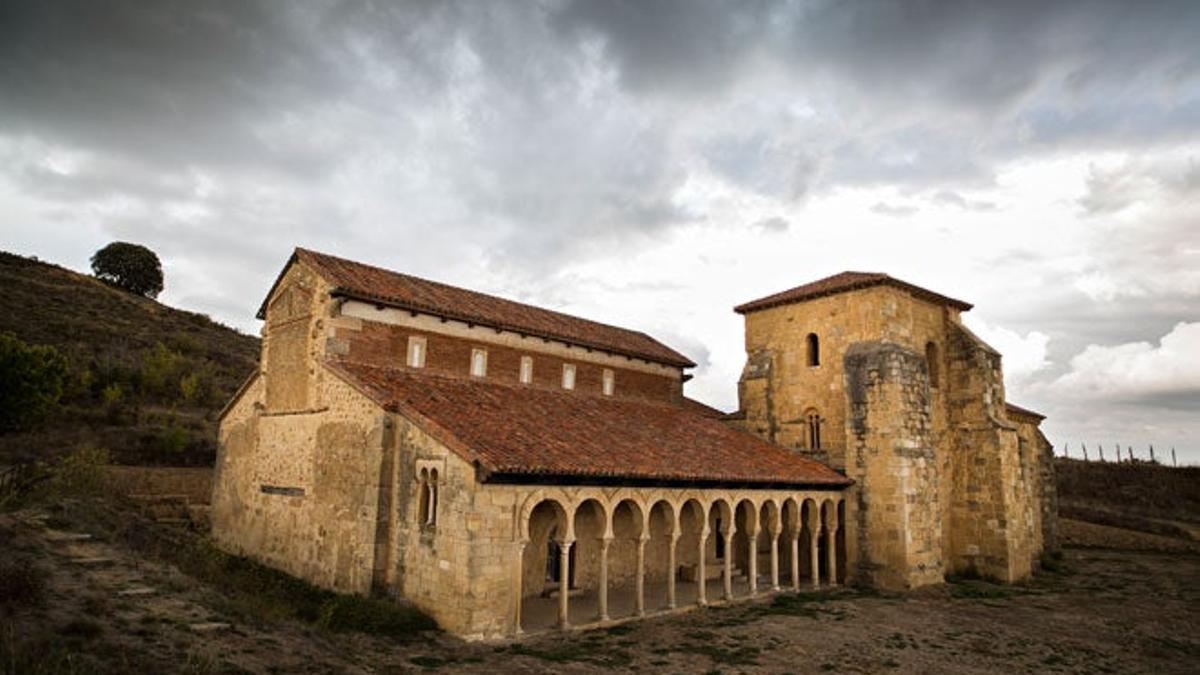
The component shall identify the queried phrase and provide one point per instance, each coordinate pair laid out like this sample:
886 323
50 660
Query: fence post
1173 462
1102 454
1084 451
1152 453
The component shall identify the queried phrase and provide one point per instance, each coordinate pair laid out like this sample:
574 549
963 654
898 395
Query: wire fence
1117 454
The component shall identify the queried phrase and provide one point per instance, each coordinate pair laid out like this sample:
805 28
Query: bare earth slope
1104 611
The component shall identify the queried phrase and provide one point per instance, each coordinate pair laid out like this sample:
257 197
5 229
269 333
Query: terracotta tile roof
515 433
702 409
1018 410
378 285
846 281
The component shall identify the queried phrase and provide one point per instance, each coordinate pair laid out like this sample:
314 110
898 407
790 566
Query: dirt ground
1104 610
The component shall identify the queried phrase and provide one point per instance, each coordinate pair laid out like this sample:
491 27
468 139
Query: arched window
814 429
814 349
427 496
423 498
933 364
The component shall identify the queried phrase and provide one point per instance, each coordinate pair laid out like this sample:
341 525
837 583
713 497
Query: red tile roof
519 433
375 284
846 281
702 409
1013 409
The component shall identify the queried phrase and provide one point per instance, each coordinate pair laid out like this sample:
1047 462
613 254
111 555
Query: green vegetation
130 267
33 383
138 377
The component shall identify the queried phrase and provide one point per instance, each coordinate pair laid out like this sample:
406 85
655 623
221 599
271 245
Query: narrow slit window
933 364
478 362
526 369
609 382
568 377
814 430
416 352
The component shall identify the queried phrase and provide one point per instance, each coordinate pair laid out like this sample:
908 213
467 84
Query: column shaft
517 585
641 577
775 561
729 566
671 572
701 573
752 549
812 558
564 583
603 589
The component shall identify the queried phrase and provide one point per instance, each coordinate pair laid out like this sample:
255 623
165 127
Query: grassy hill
146 381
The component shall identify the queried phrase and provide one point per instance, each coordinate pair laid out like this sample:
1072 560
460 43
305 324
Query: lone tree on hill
132 267
33 377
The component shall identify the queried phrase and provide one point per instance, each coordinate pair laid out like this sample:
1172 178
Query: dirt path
1108 611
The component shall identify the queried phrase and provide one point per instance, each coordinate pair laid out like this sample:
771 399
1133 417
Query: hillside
146 380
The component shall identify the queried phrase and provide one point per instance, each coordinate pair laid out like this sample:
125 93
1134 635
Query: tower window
609 382
814 349
427 496
568 376
526 375
416 352
933 364
814 430
478 362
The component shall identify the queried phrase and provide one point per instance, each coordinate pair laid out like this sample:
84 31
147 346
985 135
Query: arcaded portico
575 543
507 468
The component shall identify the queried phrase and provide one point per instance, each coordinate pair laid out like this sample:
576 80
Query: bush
21 584
33 377
81 472
129 266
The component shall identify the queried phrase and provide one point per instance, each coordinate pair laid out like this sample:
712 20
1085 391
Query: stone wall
985 485
194 483
893 461
382 344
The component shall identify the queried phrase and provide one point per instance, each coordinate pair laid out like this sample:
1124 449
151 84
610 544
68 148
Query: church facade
507 468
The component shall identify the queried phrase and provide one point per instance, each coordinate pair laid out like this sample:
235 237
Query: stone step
58 536
209 627
136 591
91 561
159 498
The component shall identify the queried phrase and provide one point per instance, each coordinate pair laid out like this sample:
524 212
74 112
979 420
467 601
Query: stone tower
880 379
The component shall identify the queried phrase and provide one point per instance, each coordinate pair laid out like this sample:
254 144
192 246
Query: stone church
507 468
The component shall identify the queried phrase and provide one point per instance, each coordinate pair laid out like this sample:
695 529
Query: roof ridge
842 282
369 282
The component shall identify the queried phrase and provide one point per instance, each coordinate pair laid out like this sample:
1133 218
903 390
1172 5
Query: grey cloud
773 224
894 210
951 198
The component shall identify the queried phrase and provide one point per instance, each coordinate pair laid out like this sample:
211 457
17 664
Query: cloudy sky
650 165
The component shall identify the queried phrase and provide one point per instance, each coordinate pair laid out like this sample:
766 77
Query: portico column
775 561
671 571
812 557
641 576
752 546
831 554
795 561
729 564
603 597
517 582
564 582
701 574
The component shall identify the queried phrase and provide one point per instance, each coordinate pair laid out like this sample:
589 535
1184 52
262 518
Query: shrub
81 472
21 584
33 377
131 267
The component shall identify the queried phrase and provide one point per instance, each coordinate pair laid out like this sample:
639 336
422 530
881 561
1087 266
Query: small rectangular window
568 381
416 352
526 369
609 382
478 362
